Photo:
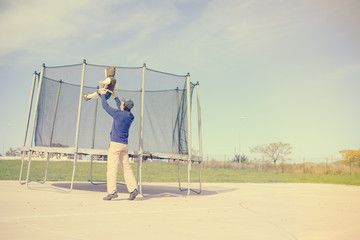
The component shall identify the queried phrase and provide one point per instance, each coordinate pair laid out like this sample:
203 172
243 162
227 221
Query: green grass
253 176
166 172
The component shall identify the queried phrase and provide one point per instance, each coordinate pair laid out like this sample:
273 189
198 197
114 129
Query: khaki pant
118 152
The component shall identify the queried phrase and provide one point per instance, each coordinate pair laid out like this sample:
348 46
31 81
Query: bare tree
274 151
11 152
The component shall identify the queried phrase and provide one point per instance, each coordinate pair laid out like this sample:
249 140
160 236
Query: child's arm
106 82
111 111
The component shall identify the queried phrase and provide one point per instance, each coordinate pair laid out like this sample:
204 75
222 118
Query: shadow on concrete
149 191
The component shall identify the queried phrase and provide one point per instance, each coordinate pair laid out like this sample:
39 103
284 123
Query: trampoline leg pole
189 177
200 167
28 170
137 173
189 167
179 175
91 168
140 174
22 167
47 166
73 174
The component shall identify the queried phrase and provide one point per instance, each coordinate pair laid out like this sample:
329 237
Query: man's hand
100 82
114 94
102 91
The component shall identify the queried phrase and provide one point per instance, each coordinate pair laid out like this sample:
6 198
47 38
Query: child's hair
110 71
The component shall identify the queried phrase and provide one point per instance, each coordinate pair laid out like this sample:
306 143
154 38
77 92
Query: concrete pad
222 211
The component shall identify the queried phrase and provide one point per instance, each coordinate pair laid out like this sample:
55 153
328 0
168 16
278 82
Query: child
109 85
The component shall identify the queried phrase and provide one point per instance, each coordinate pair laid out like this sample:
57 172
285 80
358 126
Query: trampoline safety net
165 109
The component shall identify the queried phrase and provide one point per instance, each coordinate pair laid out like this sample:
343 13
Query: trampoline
60 121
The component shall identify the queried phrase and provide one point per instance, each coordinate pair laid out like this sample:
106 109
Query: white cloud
80 26
229 30
26 24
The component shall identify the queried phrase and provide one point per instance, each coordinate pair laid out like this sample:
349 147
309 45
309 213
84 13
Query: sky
269 71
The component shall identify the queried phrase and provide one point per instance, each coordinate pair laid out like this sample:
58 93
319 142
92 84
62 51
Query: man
118 148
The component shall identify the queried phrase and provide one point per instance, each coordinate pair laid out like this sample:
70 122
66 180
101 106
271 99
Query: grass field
168 172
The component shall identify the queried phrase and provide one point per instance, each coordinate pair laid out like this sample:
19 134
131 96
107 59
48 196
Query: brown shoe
85 97
133 194
110 196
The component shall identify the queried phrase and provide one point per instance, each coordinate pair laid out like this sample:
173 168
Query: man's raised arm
105 105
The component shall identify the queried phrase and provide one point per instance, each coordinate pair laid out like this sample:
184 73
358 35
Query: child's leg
93 95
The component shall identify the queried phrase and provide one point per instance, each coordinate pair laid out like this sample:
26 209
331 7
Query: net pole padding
199 119
199 130
94 125
93 138
33 125
141 139
52 127
178 121
27 124
189 127
78 124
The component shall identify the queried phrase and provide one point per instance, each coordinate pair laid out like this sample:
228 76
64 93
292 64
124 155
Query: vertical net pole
178 132
78 123
199 128
54 113
33 125
188 127
94 125
141 143
93 138
178 119
199 120
27 125
52 127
